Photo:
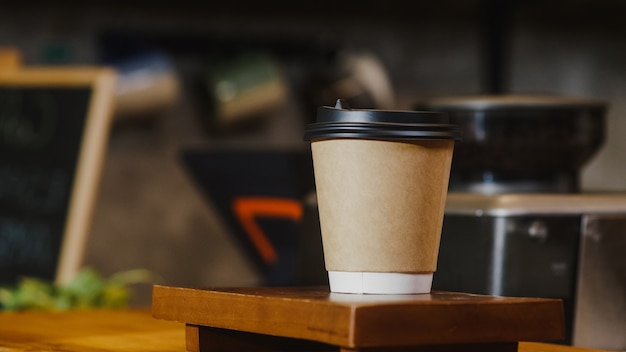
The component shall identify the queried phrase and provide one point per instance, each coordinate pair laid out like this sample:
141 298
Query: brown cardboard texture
381 203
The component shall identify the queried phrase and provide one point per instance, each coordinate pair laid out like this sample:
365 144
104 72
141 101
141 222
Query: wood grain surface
364 320
120 330
89 331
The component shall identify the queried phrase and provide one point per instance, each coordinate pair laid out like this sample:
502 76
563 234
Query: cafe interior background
184 135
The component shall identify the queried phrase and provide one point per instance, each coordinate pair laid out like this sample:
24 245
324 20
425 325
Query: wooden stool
313 319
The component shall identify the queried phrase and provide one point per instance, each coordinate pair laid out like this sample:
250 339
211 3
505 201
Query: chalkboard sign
54 125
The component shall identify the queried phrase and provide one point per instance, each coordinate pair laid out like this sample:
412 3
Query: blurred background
213 97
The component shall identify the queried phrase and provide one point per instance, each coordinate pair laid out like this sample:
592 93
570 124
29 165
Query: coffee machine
516 221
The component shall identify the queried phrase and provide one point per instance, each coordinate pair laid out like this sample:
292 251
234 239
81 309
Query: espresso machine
516 221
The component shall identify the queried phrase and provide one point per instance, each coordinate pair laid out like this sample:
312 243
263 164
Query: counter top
119 330
89 331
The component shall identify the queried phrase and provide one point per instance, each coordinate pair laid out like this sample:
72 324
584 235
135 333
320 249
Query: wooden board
363 321
54 125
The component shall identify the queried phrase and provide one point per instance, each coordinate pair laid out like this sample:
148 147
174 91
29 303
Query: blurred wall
150 215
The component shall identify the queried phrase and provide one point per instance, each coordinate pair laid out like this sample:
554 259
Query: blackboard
54 125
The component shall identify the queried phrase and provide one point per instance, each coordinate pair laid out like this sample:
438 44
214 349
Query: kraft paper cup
381 180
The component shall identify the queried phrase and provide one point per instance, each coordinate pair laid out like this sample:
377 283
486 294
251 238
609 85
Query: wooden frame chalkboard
54 125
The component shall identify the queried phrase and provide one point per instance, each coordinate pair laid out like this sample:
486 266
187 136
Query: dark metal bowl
527 143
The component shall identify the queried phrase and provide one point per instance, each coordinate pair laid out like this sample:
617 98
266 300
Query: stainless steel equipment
568 246
516 223
524 228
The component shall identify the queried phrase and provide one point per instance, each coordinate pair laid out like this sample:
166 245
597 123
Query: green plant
88 289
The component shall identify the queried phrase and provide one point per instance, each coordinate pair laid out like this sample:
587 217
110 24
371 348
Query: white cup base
379 283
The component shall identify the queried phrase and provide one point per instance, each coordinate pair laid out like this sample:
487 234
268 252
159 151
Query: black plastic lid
343 122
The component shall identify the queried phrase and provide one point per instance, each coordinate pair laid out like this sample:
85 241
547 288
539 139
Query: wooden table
119 330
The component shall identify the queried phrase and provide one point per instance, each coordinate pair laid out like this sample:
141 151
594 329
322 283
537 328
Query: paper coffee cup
381 180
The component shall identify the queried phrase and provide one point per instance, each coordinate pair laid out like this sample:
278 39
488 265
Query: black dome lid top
343 122
326 114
